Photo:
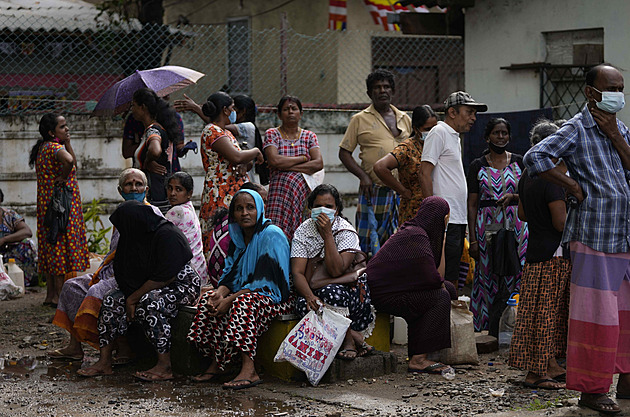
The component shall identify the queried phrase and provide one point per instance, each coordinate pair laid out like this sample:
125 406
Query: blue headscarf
262 265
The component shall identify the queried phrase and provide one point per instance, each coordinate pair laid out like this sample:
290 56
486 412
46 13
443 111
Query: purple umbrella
162 80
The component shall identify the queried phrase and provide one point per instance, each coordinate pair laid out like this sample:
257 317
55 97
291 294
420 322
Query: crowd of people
257 251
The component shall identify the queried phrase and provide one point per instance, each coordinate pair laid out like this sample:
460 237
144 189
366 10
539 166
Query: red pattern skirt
543 312
224 338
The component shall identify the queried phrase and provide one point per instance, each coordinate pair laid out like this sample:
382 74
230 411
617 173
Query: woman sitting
179 190
329 236
220 237
81 297
155 278
16 243
405 281
253 289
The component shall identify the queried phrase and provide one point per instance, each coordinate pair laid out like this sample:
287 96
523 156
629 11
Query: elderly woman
492 195
56 166
154 152
16 243
405 281
406 157
155 278
540 334
223 161
81 297
329 236
253 289
179 190
291 152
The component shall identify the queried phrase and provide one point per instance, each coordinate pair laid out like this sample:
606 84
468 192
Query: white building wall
504 32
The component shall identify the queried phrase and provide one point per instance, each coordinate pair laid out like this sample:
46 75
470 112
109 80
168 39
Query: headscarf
411 256
263 264
149 248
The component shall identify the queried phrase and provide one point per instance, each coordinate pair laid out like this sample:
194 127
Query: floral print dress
221 182
70 253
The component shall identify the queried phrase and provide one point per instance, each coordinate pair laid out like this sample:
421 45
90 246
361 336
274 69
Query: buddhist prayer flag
379 9
337 15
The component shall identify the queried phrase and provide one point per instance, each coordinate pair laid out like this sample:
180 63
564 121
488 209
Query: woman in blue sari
253 289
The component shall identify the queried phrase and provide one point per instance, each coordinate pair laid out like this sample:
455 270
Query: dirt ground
33 386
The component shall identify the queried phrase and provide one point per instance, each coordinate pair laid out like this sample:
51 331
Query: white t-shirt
442 148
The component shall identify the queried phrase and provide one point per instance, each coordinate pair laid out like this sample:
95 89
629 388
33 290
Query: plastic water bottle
506 324
16 274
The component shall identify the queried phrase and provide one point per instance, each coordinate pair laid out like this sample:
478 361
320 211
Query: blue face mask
134 196
327 211
612 101
233 117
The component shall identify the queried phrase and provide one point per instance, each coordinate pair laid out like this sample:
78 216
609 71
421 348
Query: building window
239 46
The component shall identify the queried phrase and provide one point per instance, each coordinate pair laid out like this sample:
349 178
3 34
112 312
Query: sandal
249 384
58 354
539 384
205 377
598 402
365 350
121 360
150 376
342 354
435 369
92 372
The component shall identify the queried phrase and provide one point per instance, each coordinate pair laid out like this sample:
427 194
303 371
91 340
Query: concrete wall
500 33
97 144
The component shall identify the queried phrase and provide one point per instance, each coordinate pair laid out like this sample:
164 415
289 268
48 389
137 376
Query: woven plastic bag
463 344
312 344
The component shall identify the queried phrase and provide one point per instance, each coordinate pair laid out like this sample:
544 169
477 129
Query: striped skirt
540 333
599 319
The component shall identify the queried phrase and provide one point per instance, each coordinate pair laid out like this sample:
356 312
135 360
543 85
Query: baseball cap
462 97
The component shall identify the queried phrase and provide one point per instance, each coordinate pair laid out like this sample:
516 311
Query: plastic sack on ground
8 289
463 345
312 344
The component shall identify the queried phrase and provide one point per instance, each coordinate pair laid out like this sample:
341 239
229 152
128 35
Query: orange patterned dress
70 253
221 181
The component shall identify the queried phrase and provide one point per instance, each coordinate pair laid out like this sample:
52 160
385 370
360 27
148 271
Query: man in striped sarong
595 146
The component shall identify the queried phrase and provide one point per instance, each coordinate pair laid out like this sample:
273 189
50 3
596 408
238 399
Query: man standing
443 172
594 144
377 130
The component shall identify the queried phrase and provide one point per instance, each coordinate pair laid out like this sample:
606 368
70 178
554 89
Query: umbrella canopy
162 80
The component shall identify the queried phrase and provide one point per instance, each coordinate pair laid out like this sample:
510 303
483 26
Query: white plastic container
400 331
16 274
506 324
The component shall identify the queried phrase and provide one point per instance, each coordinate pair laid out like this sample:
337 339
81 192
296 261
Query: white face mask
612 101
327 211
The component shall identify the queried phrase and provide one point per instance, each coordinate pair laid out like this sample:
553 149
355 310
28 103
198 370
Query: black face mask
495 148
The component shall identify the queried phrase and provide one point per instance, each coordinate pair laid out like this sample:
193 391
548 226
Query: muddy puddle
122 394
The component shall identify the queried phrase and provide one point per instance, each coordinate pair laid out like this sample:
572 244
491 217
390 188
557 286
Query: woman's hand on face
156 168
324 225
314 302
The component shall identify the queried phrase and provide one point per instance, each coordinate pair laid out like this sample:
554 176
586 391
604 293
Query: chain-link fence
65 65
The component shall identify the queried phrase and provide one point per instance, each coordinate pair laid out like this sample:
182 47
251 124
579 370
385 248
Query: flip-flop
596 404
57 354
342 355
85 373
435 369
202 377
365 350
249 384
149 376
538 384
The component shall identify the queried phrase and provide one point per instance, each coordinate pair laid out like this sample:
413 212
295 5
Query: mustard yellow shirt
369 130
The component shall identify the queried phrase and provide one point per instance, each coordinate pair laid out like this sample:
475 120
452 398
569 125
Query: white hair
129 171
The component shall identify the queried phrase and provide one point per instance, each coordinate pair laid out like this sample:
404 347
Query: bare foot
420 362
100 367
